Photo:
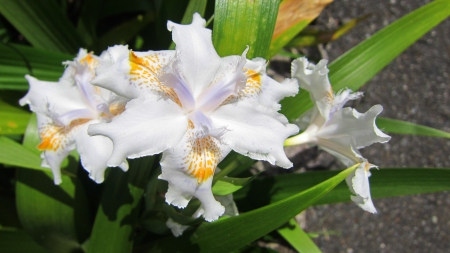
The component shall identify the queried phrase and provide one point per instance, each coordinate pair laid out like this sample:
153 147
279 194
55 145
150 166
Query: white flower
340 131
193 106
64 111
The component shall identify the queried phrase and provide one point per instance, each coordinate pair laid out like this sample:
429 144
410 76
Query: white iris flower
195 107
340 131
64 111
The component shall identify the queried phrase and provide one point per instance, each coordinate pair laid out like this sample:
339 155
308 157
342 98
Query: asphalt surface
415 88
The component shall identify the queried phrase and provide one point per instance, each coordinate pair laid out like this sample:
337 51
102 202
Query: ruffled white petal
149 125
314 78
199 59
358 182
189 168
255 131
94 153
351 128
131 74
57 97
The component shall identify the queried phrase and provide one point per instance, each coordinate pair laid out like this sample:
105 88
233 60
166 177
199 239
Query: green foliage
44 24
78 216
297 238
238 24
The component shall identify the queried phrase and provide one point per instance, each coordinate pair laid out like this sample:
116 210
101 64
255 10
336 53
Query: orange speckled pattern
90 61
54 137
253 84
144 72
203 156
116 109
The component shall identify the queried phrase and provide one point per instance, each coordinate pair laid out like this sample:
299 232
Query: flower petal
314 78
56 143
199 59
176 228
189 168
358 182
58 97
149 125
255 131
94 152
129 73
351 128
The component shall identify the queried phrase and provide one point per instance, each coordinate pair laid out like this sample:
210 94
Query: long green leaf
362 62
236 232
12 120
383 183
403 127
14 154
56 216
16 61
238 24
116 218
297 238
43 23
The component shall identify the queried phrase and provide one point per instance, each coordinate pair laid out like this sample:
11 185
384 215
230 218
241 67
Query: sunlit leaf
297 238
14 154
238 24
403 127
293 16
12 119
16 61
228 185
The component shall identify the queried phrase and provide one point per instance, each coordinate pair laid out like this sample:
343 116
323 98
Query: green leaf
293 16
403 127
238 24
12 119
56 216
16 61
297 238
14 154
383 183
361 63
43 23
233 233
228 185
19 242
116 218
